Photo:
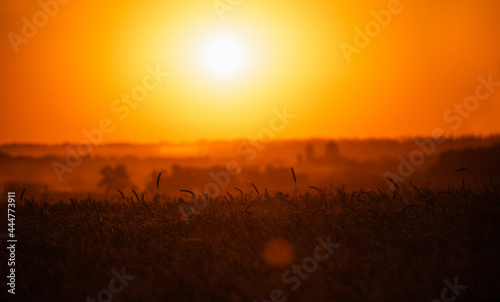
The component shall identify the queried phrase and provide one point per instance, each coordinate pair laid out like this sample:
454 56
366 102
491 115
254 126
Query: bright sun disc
223 56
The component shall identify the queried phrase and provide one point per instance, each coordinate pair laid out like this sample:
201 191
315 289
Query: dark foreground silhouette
410 245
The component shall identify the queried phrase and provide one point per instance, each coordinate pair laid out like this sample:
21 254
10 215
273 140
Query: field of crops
320 245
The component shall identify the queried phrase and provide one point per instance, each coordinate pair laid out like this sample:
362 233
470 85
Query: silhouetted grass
393 247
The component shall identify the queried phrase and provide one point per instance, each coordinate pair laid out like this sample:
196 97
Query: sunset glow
250 150
399 84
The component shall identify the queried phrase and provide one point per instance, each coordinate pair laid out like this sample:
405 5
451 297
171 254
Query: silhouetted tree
331 150
116 178
309 152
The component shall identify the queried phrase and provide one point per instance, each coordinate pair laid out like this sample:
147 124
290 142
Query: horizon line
226 140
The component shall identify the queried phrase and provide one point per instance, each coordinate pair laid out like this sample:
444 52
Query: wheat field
392 246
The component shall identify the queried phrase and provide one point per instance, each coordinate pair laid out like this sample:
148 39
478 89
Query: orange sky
85 55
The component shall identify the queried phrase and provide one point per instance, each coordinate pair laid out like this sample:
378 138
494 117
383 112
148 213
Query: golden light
223 56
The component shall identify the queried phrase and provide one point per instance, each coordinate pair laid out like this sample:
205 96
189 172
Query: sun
223 56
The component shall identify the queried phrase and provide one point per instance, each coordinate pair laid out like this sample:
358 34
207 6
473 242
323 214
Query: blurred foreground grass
394 247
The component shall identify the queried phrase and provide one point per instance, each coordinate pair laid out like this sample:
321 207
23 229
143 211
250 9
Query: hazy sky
75 64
